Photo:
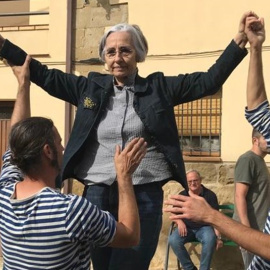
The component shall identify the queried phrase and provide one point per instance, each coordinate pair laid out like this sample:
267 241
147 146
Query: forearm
200 84
128 228
57 83
22 105
256 93
240 234
241 207
128 211
197 209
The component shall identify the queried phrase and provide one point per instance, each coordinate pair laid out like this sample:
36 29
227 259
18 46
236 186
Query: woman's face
120 56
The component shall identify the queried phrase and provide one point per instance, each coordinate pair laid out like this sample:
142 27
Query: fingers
248 14
254 23
22 73
127 160
27 61
136 148
117 150
175 217
177 200
243 19
219 244
193 195
262 21
24 67
255 32
135 145
182 231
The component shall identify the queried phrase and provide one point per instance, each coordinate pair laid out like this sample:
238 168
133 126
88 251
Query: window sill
201 158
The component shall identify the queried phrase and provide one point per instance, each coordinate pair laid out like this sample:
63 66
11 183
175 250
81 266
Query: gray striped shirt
119 125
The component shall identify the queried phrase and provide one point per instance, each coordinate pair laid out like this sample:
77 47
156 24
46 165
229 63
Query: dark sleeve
67 87
189 87
184 192
212 199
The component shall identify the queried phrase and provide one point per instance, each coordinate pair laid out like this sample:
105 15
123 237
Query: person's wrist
2 41
256 47
241 39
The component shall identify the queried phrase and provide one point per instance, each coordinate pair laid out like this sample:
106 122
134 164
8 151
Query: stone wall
89 24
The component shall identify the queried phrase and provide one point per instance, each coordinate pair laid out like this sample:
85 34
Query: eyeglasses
193 182
123 52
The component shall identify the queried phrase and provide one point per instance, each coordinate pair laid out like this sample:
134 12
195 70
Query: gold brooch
89 103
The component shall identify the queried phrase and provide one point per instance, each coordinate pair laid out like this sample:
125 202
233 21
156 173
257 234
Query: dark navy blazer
154 101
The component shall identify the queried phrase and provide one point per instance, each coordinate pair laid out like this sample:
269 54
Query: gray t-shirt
252 170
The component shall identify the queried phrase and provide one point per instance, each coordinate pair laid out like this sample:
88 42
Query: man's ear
48 151
254 140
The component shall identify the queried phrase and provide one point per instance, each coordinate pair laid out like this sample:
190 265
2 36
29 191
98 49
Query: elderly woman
117 107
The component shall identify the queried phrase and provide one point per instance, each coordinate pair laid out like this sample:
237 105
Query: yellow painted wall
183 28
49 47
188 27
173 27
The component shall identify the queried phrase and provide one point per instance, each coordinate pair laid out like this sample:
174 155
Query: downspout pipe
68 107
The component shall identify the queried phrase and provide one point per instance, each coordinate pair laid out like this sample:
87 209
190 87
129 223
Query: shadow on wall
105 4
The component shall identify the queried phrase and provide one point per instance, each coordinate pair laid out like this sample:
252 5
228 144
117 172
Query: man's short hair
27 139
256 133
195 171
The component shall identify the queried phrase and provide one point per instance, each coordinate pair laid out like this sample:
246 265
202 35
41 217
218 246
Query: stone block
83 70
225 194
225 174
102 16
208 171
77 187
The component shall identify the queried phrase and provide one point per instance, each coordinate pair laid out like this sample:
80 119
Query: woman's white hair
139 41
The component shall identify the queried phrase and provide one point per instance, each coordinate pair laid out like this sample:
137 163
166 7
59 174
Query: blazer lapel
141 84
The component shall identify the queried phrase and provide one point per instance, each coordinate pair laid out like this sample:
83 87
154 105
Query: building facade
183 37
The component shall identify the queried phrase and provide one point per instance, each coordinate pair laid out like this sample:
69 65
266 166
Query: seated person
188 230
40 227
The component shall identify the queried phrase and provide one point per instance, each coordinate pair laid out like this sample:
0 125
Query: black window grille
199 126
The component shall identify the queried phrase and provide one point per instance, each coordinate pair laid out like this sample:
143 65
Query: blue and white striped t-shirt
259 118
48 230
259 263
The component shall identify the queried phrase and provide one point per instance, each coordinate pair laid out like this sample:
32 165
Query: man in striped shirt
257 111
40 227
258 114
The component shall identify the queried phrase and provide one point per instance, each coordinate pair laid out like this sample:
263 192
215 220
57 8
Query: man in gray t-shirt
252 187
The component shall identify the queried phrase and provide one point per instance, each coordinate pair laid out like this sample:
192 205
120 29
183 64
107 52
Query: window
20 13
13 7
199 126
